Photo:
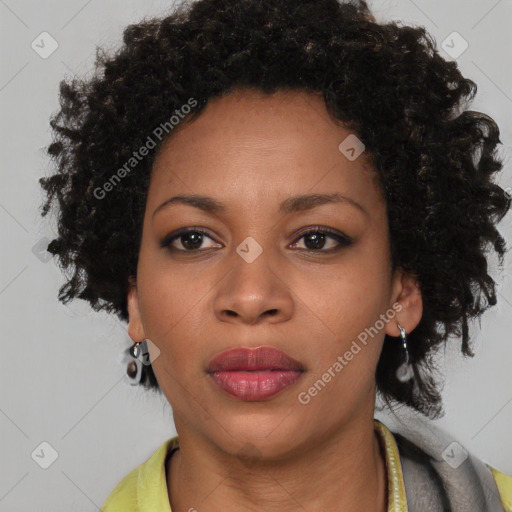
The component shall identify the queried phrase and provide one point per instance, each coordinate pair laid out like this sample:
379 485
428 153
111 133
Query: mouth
254 374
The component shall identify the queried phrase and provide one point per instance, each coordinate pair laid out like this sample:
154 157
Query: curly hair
434 159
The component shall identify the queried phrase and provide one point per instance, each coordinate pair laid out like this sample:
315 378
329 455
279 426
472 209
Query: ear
407 302
135 327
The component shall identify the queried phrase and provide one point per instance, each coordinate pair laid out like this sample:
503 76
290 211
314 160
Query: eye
315 240
190 238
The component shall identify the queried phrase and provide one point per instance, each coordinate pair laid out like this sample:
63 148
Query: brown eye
315 240
190 240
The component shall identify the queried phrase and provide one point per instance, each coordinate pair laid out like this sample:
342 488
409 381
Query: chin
270 435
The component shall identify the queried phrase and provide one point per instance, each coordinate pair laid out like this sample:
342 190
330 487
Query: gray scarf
434 486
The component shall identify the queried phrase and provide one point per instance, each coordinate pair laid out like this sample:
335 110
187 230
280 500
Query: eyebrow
292 204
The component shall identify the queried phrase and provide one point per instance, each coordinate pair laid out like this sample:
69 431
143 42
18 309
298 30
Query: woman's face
256 278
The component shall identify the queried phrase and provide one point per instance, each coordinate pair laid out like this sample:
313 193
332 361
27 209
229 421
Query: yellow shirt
145 488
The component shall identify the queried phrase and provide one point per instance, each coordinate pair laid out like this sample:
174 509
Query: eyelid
324 229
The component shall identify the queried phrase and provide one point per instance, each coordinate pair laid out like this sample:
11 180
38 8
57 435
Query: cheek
348 298
344 357
172 302
347 302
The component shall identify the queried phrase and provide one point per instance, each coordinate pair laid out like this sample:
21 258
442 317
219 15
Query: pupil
317 238
196 240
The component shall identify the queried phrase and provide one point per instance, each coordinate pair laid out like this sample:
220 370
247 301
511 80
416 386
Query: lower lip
255 385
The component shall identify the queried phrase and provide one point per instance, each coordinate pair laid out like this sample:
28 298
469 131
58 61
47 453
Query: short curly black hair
435 160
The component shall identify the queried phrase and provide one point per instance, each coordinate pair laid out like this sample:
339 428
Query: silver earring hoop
135 349
405 371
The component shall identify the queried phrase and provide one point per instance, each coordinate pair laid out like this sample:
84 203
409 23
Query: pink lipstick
253 374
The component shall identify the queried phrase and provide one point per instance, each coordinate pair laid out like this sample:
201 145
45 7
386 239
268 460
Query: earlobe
135 327
408 303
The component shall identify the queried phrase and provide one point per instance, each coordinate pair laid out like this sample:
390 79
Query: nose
252 293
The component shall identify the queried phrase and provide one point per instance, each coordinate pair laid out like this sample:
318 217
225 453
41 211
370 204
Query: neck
345 471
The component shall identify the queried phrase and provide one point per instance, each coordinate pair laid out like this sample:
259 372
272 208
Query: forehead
247 146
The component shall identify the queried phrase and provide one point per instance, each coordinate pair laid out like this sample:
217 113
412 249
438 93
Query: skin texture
252 151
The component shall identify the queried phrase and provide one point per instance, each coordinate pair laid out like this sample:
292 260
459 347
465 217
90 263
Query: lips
253 374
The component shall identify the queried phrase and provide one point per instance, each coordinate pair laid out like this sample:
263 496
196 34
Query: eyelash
343 240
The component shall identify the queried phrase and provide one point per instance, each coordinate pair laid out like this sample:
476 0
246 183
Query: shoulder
145 487
504 484
438 470
124 495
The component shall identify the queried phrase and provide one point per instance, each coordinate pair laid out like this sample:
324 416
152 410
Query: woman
289 206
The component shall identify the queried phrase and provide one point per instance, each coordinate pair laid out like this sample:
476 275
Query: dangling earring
405 371
134 367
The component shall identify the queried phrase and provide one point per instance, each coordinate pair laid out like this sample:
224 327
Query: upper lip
253 359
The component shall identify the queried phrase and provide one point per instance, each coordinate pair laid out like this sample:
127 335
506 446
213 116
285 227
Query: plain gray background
62 376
